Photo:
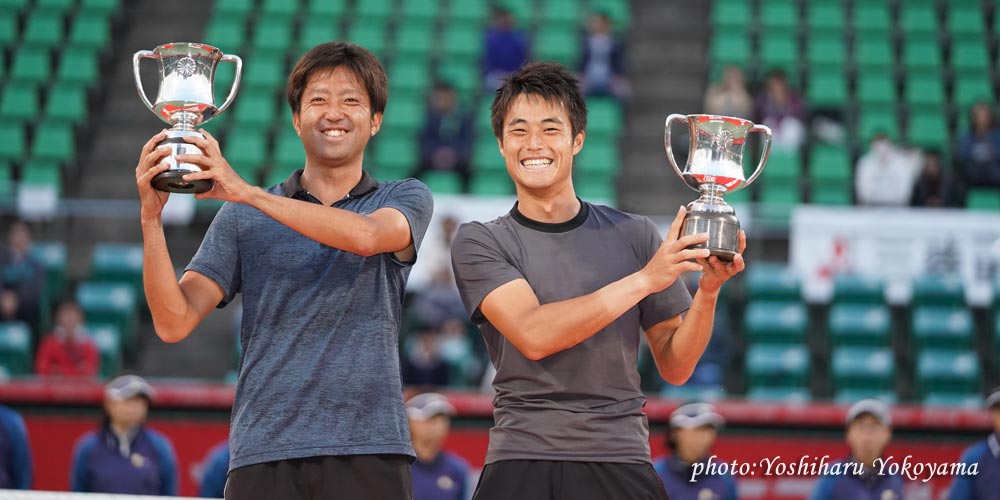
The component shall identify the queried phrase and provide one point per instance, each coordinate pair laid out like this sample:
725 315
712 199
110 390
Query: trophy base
723 232
172 181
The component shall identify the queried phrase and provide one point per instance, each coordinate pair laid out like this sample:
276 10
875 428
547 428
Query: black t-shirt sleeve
480 267
668 303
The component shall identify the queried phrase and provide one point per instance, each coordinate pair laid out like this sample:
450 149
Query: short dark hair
331 55
548 80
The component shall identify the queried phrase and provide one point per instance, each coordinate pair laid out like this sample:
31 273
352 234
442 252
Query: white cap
427 405
874 407
694 415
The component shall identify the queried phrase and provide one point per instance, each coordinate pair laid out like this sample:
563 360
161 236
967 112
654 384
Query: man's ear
296 123
376 123
578 141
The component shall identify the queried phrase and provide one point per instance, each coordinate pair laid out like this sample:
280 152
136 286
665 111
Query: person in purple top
693 429
507 48
985 484
437 473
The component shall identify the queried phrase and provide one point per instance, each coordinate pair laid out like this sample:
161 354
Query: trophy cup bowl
714 168
185 101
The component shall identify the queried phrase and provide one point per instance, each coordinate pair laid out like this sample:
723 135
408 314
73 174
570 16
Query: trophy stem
184 120
711 194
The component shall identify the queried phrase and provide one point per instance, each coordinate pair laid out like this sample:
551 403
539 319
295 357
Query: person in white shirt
886 173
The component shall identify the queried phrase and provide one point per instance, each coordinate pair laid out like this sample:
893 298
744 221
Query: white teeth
334 133
539 163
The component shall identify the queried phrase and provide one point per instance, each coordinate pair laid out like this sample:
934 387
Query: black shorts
375 477
549 480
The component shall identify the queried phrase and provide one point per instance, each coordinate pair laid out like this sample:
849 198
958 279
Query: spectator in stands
68 351
507 48
780 108
15 452
23 277
986 453
437 473
422 363
446 139
936 186
602 64
215 468
979 148
692 433
123 455
869 429
321 261
729 97
885 175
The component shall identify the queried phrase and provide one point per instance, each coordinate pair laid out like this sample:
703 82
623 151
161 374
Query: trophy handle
666 141
142 54
236 81
763 154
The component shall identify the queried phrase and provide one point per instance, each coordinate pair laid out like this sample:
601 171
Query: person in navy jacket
123 455
15 453
437 473
860 476
693 429
986 453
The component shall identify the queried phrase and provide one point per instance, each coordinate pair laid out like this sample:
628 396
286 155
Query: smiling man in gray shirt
561 288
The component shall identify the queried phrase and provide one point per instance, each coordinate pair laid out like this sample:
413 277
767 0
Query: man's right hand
673 258
151 164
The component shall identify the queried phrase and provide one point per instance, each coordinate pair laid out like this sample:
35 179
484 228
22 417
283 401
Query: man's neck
330 184
552 209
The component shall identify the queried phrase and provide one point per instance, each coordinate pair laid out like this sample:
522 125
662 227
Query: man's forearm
680 352
167 303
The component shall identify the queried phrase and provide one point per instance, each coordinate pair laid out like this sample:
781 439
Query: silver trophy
714 168
186 101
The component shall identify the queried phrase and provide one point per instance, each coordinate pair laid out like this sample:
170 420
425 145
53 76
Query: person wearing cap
15 452
437 473
693 429
986 484
869 429
123 455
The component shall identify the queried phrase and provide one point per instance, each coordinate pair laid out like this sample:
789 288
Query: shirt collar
292 187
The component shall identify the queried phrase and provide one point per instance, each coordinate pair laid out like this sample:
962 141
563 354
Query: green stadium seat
783 395
919 20
562 13
13 141
42 173
777 199
326 9
467 13
772 282
730 14
970 57
409 76
374 10
604 117
967 23
117 262
827 88
317 30
970 89
597 157
828 52
980 199
922 54
522 10
778 15
278 10
404 115
53 256
924 91
875 121
66 102
415 39
968 400
559 45
371 34
8 28
830 164
90 31
246 150
730 47
31 65
940 290
463 77
421 11
491 184
54 140
288 152
778 51
109 344
235 8
691 392
442 182
860 289
832 193
875 89
825 18
78 65
113 304
14 5
871 18
929 129
775 321
942 327
265 72
784 165
858 324
103 7
462 41
272 35
226 33
397 153
15 348
862 368
255 108
848 397
618 10
777 365
596 188
486 155
947 371
44 29
7 185
874 53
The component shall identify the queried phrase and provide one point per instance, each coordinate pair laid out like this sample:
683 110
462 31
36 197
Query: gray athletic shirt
584 403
